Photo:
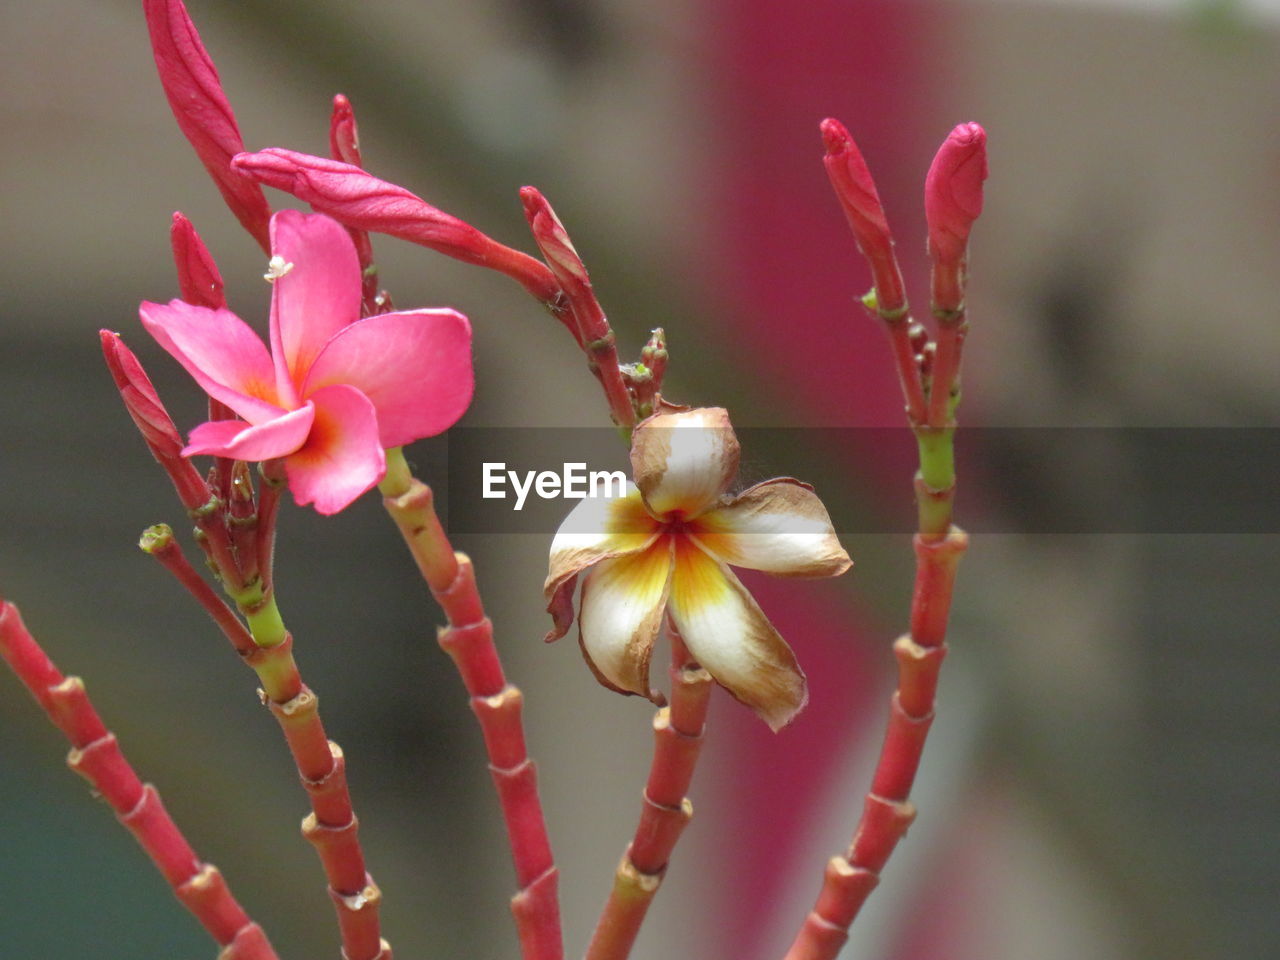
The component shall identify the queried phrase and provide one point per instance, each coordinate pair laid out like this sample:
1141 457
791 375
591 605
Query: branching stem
468 640
96 756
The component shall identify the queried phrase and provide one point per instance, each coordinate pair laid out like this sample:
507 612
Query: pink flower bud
344 146
361 201
852 180
952 201
205 117
153 421
199 281
344 139
552 238
857 194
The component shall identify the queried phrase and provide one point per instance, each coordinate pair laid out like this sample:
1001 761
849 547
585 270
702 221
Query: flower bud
952 201
153 421
361 201
552 238
344 138
344 146
199 281
203 113
857 194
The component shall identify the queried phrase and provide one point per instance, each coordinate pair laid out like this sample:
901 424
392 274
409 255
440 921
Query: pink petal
414 366
342 457
219 349
316 297
266 441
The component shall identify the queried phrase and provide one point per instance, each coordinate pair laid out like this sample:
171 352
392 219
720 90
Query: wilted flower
334 390
666 548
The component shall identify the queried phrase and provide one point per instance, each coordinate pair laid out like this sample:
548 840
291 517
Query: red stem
96 756
468 639
939 545
594 334
944 390
269 492
332 826
666 810
887 811
159 542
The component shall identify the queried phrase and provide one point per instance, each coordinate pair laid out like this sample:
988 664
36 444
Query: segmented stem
468 640
665 809
96 755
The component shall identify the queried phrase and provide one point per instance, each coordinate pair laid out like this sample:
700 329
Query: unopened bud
199 281
654 354
153 421
856 191
344 146
204 115
344 138
552 238
952 202
360 200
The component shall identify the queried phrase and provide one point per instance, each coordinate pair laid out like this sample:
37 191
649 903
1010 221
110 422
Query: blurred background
1101 781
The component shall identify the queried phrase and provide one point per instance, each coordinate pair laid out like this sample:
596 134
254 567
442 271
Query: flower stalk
468 640
332 825
96 755
594 334
665 811
856 192
953 201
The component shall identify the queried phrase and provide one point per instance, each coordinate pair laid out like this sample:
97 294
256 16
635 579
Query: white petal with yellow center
621 613
779 526
728 634
684 462
596 529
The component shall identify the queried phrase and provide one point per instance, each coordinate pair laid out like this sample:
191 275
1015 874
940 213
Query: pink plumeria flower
334 390
666 547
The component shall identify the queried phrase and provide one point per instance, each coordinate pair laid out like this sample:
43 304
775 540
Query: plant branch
665 811
953 201
468 640
332 825
96 756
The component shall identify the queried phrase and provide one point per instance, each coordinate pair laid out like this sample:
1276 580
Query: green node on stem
261 614
937 456
398 477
